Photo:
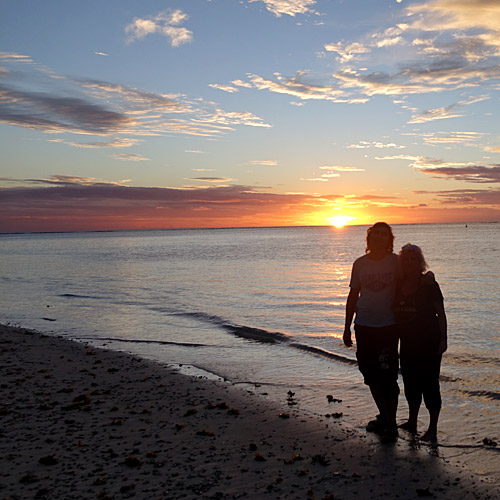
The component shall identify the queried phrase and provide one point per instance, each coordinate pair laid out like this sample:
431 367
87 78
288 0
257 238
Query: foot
409 427
389 434
377 425
429 437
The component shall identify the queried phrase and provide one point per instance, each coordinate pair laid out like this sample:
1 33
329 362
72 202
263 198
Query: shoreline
84 422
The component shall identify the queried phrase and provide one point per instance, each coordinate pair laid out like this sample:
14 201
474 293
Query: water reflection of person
370 300
421 320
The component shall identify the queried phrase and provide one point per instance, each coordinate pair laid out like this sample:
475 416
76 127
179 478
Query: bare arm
443 326
350 309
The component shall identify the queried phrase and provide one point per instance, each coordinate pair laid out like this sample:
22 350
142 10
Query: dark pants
377 354
420 371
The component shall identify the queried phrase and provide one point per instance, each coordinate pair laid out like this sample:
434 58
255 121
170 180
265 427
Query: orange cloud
63 203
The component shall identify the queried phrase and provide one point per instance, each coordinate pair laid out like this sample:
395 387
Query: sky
121 114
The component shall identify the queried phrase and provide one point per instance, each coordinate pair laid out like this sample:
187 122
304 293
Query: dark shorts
377 354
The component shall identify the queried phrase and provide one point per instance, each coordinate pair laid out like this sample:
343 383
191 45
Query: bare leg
386 407
411 424
431 433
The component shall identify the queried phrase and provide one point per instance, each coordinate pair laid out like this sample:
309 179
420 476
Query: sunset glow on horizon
121 115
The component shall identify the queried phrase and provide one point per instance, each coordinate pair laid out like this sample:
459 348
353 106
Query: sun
340 220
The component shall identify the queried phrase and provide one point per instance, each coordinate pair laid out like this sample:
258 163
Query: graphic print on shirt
375 282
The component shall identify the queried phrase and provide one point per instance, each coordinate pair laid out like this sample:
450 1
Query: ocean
263 308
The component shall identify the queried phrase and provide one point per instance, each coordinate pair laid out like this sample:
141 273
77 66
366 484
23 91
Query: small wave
75 296
257 334
322 352
247 332
142 341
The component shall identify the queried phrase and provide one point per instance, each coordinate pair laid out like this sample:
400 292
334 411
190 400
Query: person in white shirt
370 301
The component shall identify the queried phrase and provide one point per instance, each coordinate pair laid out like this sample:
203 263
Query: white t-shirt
377 281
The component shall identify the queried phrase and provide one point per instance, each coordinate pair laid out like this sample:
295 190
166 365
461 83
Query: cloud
459 171
438 15
225 88
125 142
341 168
55 114
444 112
448 45
17 58
436 114
437 76
446 138
298 86
94 107
487 197
165 23
288 7
347 52
374 144
64 180
472 173
215 180
128 157
75 205
268 163
101 54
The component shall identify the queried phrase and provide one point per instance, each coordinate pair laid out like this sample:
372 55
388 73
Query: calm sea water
264 308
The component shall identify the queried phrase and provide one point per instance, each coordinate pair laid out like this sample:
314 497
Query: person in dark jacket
421 321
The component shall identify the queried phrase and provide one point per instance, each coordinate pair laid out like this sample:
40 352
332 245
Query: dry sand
79 422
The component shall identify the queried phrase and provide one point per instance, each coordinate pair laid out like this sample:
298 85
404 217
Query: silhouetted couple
393 299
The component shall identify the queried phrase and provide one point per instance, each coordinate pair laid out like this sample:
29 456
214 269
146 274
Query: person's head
412 259
379 237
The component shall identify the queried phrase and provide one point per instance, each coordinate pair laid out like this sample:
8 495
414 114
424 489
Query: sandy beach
79 422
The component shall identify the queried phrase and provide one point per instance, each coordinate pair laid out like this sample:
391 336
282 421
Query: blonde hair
409 247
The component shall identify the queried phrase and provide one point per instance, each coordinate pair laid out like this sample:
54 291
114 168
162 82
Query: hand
347 337
443 346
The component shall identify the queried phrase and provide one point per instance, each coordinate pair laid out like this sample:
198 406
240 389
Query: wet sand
79 422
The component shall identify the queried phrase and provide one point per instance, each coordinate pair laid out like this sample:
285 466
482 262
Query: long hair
377 225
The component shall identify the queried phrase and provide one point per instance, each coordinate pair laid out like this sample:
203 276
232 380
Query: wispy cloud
449 44
267 163
472 173
348 51
445 111
125 142
101 54
288 7
438 15
226 88
213 180
445 138
460 171
299 87
93 107
128 157
63 180
488 197
374 144
166 23
342 168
